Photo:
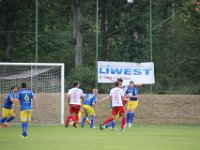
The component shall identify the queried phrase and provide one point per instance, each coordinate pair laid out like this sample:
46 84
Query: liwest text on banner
140 73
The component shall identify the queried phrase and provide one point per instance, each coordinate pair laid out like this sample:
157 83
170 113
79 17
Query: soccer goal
46 80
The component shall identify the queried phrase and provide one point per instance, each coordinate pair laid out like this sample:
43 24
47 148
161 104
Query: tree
104 54
10 11
77 33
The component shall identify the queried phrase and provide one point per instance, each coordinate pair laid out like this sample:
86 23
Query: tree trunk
103 29
9 20
77 33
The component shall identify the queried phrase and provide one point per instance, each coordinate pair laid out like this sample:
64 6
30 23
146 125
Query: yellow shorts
132 105
88 110
8 112
80 115
25 116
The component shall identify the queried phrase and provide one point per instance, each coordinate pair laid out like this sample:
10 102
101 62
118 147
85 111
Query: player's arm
103 99
94 102
110 98
138 85
15 102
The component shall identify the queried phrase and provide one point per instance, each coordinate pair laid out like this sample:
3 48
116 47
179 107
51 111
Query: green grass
139 137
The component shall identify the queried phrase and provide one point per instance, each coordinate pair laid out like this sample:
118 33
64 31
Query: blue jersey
25 97
8 103
89 99
132 92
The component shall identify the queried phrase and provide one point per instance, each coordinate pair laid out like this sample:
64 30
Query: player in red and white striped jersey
116 96
75 96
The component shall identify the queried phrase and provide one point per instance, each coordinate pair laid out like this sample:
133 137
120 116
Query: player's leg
112 123
129 109
12 116
132 113
80 115
92 112
77 109
24 125
75 115
114 112
5 113
28 121
122 114
84 116
69 116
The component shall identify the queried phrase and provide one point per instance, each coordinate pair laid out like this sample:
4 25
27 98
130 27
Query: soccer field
139 137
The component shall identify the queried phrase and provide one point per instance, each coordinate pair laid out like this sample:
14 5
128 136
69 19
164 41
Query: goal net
46 80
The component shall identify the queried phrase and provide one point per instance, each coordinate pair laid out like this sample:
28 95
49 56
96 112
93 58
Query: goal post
47 80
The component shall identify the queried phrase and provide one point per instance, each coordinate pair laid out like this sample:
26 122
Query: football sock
123 122
10 119
67 120
83 120
3 120
76 119
108 125
128 117
92 122
107 120
132 117
24 127
112 124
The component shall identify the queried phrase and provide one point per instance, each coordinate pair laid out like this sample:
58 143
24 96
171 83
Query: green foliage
175 43
85 75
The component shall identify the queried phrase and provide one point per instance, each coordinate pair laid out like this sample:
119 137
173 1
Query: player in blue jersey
88 103
25 97
132 94
8 109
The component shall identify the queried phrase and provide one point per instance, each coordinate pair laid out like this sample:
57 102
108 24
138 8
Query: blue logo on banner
125 71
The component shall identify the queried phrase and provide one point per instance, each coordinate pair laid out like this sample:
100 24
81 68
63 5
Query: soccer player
116 95
132 94
8 109
88 103
75 96
124 102
25 97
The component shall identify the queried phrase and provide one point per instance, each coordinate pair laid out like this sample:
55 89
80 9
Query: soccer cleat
113 129
130 125
75 125
122 130
125 125
6 125
24 135
66 126
94 127
101 127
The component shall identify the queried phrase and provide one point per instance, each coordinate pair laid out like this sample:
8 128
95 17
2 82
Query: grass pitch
139 137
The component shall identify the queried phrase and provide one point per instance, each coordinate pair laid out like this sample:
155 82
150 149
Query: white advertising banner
140 73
